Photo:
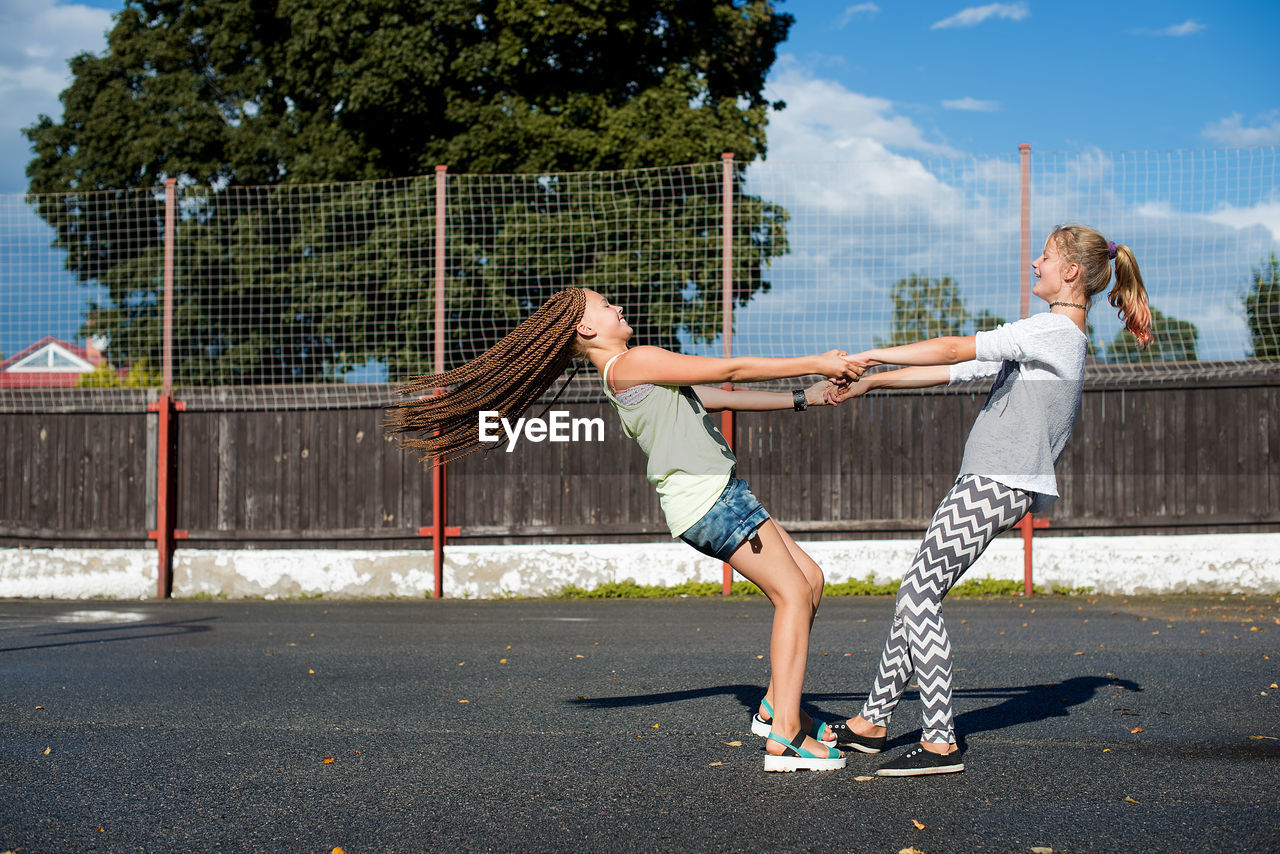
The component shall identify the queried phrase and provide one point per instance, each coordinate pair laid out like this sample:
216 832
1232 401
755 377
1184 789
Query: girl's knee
793 593
817 581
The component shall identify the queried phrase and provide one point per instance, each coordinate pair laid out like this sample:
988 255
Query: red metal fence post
438 499
1028 524
166 460
726 309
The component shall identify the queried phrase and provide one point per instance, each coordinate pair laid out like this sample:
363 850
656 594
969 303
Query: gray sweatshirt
1023 427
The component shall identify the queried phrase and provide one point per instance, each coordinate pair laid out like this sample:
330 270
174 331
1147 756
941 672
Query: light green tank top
689 460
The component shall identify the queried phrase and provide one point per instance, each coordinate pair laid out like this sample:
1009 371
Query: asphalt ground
1146 724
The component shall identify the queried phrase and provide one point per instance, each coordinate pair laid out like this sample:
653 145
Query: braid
506 379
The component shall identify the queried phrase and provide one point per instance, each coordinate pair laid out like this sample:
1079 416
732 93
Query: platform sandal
796 758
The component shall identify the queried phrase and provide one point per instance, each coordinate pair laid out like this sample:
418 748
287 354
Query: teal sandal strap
764 701
793 745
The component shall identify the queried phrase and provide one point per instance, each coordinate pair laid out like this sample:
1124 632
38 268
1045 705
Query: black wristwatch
798 401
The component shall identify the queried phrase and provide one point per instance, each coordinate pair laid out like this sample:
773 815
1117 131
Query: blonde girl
1007 469
662 399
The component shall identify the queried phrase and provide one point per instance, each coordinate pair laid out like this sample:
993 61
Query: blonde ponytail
1092 253
1129 297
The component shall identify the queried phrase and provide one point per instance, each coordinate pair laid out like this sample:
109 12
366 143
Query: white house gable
51 358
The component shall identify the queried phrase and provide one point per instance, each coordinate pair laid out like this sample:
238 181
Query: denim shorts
733 518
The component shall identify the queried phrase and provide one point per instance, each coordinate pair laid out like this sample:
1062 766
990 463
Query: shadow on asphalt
124 632
1020 703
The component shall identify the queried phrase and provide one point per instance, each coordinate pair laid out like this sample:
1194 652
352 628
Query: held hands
840 368
840 394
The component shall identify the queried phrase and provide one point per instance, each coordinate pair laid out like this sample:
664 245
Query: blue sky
911 84
979 78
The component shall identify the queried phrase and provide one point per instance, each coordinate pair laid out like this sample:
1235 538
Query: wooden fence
1165 456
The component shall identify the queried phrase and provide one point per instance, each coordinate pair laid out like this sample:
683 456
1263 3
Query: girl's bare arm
746 400
656 365
950 350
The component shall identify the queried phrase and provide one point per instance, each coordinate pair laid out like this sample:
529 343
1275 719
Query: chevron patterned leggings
968 519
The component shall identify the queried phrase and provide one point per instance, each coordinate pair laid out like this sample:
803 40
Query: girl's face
1054 279
602 322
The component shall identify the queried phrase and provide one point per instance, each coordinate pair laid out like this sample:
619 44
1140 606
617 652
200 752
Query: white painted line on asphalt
100 617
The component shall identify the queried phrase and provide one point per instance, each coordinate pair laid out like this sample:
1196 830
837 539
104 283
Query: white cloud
1186 28
1265 214
971 105
854 11
36 41
826 120
975 15
1233 132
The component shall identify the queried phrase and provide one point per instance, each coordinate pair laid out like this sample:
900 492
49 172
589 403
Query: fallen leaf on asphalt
655 726
1077 653
1041 849
312 672
759 656
49 750
41 708
581 698
918 825
1106 750
863 778
464 701
714 764
460 663
579 656
910 851
732 743
502 661
328 760
337 850
1268 737
1273 685
1129 800
1137 729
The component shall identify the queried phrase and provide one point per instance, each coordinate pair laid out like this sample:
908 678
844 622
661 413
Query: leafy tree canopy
932 308
1172 340
229 94
1262 310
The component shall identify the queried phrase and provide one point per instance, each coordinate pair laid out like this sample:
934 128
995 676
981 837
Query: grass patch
1060 590
991 587
630 590
865 587
853 587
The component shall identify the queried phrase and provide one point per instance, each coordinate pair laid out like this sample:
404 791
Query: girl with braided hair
662 399
1007 469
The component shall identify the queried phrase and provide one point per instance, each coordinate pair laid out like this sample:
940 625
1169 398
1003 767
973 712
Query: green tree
286 281
925 308
1172 340
1262 310
985 321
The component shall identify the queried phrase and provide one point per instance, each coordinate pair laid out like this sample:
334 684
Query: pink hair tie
1111 250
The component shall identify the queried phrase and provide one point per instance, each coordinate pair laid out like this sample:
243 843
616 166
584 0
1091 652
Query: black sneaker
846 737
917 761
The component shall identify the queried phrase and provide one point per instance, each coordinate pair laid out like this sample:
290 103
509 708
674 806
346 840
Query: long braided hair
506 379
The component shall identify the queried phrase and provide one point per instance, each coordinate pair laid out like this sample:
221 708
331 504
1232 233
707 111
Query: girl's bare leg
772 568
813 574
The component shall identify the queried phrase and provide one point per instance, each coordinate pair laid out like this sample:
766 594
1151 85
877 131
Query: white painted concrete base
1211 563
